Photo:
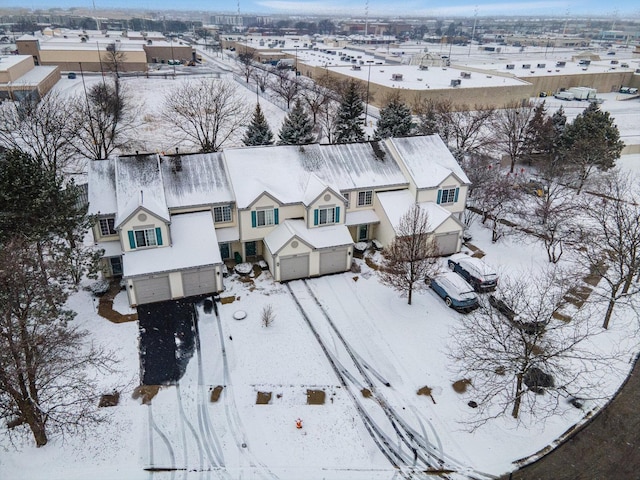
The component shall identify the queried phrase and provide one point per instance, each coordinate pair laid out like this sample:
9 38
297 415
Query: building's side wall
150 222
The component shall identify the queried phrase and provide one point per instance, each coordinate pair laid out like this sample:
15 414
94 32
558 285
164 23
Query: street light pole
296 66
366 105
173 60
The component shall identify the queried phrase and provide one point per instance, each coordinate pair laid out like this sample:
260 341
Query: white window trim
269 217
365 203
147 237
450 193
106 223
326 210
223 209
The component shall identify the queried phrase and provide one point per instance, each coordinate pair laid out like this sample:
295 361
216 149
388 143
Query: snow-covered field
405 345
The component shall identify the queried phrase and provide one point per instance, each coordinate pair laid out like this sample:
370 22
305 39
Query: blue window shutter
315 216
158 235
132 239
455 199
254 221
439 197
337 214
275 216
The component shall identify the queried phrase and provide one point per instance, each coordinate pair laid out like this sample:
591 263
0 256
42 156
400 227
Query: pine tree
349 124
591 142
395 120
258 131
297 128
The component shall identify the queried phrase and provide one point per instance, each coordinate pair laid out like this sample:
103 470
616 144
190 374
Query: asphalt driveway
167 340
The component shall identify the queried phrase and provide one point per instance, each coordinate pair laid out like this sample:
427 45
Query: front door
250 249
363 232
225 251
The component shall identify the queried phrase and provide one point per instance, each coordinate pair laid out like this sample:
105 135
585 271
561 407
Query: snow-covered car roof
474 264
456 286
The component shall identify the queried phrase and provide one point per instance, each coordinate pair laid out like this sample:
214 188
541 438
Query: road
606 448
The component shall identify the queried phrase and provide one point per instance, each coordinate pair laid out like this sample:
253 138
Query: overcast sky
617 8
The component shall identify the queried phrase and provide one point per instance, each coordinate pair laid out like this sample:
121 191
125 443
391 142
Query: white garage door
153 289
199 281
294 267
333 261
447 243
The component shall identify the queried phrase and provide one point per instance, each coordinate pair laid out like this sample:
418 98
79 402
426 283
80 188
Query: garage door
294 267
199 281
153 289
447 243
333 261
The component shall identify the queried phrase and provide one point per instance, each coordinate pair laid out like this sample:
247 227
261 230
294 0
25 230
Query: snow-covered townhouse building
436 182
302 208
168 223
157 218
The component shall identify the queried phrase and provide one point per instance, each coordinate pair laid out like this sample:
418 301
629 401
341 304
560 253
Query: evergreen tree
538 134
591 142
297 128
349 122
37 203
258 131
395 120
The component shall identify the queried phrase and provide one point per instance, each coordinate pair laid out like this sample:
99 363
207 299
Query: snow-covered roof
139 184
228 234
192 237
314 188
193 180
111 249
317 238
361 217
428 160
396 204
283 171
102 186
35 76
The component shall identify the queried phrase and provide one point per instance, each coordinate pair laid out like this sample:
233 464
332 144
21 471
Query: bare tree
556 210
41 129
261 75
496 197
268 316
246 60
316 97
286 87
327 121
465 129
114 58
48 381
511 128
410 259
611 240
521 359
103 118
207 112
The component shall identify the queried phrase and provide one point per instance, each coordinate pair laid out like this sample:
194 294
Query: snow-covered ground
405 345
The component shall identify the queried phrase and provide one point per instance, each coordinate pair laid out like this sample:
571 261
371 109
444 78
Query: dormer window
326 215
447 195
145 237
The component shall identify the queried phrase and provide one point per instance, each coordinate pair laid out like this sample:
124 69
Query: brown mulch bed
105 306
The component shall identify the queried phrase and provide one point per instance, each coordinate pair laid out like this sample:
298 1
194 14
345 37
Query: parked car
455 291
480 276
71 75
530 328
